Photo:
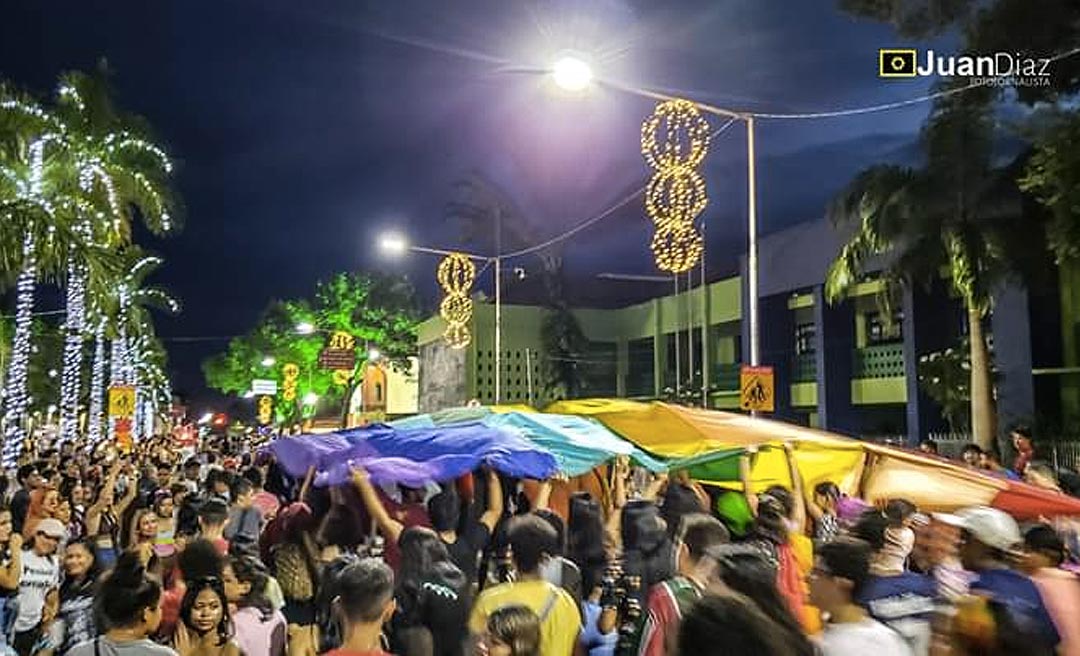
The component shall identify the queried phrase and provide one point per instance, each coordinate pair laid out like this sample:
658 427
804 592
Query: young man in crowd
841 571
364 604
28 478
989 538
901 599
213 516
971 455
1025 448
669 601
245 520
532 541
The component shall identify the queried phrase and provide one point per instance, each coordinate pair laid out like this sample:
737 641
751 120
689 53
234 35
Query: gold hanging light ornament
456 274
674 142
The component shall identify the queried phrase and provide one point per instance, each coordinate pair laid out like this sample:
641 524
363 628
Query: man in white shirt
841 568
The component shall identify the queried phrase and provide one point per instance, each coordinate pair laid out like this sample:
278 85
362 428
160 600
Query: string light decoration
674 142
290 373
16 398
96 413
456 275
74 324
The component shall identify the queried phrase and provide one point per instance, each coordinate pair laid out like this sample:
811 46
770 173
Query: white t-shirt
39 575
861 639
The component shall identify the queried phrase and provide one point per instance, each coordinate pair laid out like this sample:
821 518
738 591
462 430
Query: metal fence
1059 450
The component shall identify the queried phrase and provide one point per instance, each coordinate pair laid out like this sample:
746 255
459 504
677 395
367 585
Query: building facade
849 367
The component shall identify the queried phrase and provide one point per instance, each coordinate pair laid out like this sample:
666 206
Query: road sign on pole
757 389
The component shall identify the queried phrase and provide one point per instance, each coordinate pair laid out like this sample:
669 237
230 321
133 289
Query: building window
804 338
878 331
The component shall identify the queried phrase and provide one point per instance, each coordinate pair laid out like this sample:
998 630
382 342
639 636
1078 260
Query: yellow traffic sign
757 389
121 401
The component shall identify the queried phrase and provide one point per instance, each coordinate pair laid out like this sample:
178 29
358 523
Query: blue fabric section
413 456
578 443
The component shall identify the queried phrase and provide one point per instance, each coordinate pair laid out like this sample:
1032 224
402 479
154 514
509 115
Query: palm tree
129 319
955 216
34 216
119 171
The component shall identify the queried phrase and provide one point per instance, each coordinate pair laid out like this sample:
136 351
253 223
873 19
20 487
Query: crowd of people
217 551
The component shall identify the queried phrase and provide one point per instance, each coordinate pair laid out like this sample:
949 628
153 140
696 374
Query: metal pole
704 330
690 326
678 351
498 330
528 374
498 305
752 258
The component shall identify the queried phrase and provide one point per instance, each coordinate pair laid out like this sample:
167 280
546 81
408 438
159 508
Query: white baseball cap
991 526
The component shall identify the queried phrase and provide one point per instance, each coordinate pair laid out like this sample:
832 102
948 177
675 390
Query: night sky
303 130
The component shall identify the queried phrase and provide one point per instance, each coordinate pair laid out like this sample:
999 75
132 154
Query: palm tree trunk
71 377
16 398
117 373
983 414
96 414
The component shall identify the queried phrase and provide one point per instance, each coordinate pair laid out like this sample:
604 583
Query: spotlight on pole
304 328
269 361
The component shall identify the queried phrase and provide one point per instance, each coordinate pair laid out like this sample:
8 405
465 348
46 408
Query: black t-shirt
440 604
465 551
20 505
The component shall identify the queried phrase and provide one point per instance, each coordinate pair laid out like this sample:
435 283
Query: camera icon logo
897 62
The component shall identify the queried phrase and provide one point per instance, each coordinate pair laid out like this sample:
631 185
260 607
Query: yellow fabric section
678 432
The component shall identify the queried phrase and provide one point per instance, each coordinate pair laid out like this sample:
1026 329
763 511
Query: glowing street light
311 398
373 354
572 73
205 419
393 243
305 328
269 361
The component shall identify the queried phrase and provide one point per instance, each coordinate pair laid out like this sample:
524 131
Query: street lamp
311 398
394 244
373 354
304 328
571 73
269 361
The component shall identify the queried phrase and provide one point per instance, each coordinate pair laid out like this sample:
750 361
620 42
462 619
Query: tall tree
380 312
957 215
121 173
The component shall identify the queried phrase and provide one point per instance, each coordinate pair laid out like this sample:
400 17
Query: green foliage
380 312
1052 176
945 376
564 346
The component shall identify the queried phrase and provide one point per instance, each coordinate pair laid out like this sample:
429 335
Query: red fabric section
1024 501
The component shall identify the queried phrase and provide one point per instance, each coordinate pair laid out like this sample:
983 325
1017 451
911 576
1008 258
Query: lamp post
395 244
573 74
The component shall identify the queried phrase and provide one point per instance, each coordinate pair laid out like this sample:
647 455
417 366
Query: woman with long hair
512 631
260 628
129 603
44 503
205 628
144 529
75 622
432 596
103 517
746 570
585 540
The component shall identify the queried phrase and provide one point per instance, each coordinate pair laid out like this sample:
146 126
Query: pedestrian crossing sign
756 389
121 401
